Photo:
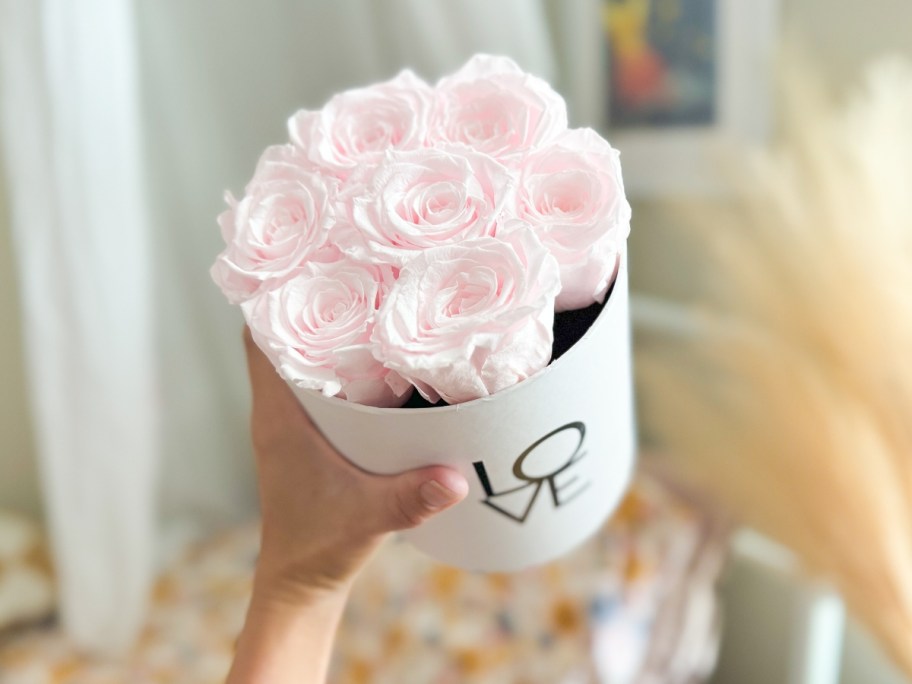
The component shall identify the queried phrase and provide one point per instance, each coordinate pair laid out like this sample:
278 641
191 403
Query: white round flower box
547 460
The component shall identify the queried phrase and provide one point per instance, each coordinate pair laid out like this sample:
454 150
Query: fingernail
435 495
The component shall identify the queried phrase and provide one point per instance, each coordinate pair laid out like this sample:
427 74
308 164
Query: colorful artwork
663 62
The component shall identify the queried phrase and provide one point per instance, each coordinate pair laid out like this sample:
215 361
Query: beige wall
845 34
18 477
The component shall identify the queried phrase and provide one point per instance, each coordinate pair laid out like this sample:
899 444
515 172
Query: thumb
410 498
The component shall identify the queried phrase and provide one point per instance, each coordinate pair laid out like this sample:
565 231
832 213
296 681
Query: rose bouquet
415 245
423 237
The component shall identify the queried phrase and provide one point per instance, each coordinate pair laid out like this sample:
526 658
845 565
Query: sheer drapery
71 137
123 122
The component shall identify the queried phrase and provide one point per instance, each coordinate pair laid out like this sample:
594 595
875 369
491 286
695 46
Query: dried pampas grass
788 391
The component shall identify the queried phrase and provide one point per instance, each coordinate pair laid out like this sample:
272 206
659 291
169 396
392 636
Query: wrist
282 589
324 609
288 633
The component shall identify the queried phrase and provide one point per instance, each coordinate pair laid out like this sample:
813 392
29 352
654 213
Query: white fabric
123 122
71 136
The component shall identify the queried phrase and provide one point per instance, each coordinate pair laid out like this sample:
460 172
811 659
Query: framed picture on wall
684 76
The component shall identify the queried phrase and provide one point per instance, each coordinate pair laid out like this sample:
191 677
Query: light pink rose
467 320
572 193
426 198
316 330
282 222
342 236
274 159
356 127
492 106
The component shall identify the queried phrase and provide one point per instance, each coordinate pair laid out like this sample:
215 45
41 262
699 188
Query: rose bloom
356 127
316 330
426 198
492 106
571 191
467 320
282 221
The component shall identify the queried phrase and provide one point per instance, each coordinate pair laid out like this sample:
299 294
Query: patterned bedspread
634 605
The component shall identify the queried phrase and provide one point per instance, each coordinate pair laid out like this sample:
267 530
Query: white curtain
123 121
71 136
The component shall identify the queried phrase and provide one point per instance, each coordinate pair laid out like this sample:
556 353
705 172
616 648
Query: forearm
287 642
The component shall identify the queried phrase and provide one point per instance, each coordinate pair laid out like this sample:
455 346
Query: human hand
322 515
322 518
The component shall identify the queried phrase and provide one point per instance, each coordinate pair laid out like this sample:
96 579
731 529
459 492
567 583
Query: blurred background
767 152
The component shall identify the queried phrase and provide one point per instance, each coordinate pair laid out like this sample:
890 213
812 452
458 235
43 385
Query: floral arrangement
411 236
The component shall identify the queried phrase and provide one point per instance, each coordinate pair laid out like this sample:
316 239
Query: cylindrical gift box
547 460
